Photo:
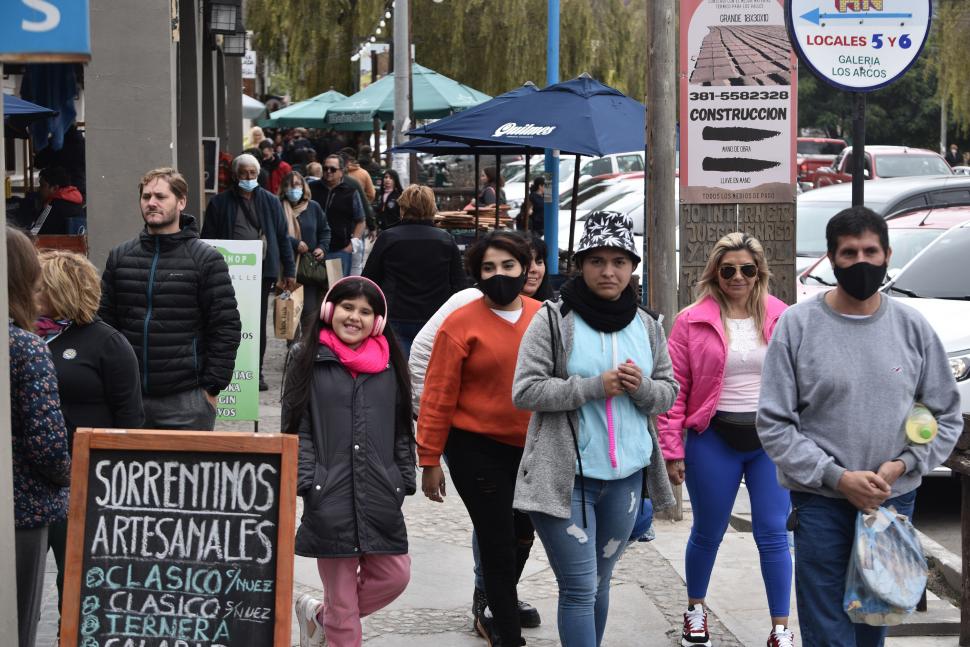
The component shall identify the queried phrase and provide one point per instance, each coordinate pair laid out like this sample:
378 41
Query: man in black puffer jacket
171 296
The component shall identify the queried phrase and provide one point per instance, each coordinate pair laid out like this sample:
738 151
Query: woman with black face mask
466 413
594 369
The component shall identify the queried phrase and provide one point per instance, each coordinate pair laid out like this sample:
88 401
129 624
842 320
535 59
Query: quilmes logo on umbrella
512 129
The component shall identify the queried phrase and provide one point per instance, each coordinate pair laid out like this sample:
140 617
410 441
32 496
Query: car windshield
810 226
606 198
566 165
909 164
514 173
905 243
943 272
820 148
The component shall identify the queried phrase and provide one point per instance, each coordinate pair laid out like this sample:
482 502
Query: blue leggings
713 471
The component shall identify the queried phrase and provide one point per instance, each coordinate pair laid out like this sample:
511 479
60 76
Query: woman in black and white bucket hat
594 368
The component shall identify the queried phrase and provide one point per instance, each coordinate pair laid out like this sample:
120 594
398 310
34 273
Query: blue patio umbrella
432 142
18 114
17 107
444 147
580 117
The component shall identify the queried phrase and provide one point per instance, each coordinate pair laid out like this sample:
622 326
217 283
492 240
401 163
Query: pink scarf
372 356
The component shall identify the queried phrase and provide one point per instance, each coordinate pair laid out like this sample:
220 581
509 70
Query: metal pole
498 182
8 594
402 90
525 221
551 224
475 197
572 215
858 150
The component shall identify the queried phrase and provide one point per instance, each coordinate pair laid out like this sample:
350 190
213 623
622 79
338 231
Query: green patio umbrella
310 113
435 96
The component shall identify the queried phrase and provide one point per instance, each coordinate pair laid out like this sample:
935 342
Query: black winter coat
172 298
220 220
97 378
418 266
356 463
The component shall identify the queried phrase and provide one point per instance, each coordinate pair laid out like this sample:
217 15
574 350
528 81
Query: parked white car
515 191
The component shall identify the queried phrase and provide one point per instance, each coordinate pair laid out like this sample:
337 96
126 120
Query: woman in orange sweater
467 414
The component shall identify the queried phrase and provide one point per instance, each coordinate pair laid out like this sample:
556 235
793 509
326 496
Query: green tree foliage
952 21
491 45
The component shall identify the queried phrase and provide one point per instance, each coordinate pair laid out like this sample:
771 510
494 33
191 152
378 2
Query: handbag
310 271
286 313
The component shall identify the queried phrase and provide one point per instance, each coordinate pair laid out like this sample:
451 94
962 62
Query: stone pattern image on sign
744 56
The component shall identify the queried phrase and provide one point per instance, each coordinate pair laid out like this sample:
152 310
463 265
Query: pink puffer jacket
698 353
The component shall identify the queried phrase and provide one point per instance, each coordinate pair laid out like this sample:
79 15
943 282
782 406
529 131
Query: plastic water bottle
920 425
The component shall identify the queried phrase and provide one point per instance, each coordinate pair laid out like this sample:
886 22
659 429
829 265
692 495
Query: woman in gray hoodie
594 369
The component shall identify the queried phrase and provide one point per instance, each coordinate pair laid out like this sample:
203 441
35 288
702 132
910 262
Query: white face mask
248 185
294 195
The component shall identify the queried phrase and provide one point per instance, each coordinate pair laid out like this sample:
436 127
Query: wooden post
660 226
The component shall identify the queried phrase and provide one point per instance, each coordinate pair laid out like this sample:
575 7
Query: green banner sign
240 400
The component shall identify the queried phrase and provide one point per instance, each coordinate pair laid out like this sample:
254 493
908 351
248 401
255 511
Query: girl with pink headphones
348 395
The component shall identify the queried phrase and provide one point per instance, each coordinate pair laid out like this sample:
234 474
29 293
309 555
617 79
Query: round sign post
858 46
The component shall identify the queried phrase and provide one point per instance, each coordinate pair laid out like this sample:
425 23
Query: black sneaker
263 386
528 616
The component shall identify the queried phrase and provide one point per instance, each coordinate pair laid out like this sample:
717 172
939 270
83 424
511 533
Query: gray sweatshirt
836 392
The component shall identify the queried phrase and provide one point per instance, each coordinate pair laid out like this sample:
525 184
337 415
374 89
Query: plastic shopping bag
887 571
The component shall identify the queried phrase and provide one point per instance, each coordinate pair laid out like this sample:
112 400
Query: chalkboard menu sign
180 539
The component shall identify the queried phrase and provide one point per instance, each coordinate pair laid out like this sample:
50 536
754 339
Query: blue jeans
406 331
824 534
713 471
583 568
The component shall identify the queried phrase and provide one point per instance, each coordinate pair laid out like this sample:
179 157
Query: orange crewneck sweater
469 379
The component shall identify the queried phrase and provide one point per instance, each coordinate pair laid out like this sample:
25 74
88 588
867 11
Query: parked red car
814 153
883 162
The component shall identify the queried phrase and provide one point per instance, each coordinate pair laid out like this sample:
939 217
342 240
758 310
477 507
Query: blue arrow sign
815 16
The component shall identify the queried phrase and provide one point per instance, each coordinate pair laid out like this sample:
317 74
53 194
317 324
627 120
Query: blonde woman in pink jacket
708 437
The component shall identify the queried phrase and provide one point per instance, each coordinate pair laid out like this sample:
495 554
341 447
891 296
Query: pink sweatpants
355 587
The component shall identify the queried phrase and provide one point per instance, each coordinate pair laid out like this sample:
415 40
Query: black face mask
502 289
860 280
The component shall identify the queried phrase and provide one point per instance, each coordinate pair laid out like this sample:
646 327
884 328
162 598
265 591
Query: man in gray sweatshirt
841 374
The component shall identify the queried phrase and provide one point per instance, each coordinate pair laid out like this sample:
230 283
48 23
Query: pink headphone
326 310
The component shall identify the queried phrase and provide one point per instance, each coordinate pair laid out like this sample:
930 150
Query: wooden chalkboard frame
181 441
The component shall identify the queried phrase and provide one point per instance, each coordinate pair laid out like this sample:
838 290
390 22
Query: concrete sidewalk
648 595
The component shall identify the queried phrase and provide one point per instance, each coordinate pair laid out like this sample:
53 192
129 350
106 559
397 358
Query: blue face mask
294 195
248 185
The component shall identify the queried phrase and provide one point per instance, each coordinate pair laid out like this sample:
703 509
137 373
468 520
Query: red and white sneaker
695 627
781 636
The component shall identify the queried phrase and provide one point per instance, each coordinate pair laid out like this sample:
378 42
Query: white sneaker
781 636
311 631
695 627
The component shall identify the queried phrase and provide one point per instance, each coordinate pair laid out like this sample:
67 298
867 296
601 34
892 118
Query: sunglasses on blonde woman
749 270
